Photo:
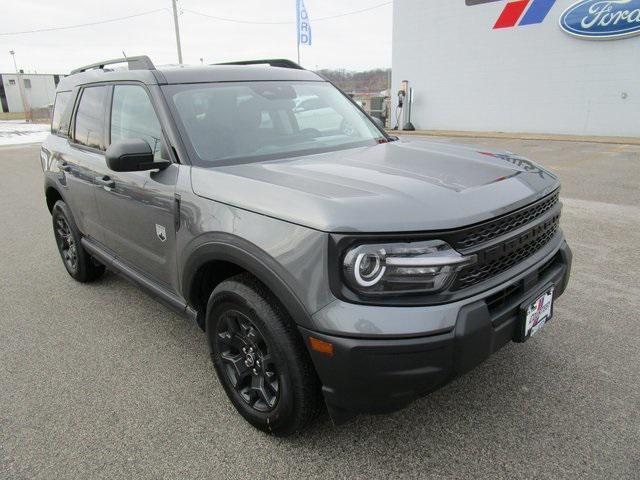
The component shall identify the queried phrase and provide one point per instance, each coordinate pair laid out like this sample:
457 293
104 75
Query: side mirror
132 155
378 122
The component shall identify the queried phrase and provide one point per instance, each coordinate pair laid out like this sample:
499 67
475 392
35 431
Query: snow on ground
16 132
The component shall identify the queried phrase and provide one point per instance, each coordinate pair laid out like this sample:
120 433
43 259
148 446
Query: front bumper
380 375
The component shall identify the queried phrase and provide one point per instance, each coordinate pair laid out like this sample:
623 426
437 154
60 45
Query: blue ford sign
602 19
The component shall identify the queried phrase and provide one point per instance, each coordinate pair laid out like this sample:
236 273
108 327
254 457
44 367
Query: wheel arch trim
229 248
49 185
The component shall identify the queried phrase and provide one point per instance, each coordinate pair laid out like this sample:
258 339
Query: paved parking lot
100 381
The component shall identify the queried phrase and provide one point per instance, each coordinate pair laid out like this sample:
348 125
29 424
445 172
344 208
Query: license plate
537 313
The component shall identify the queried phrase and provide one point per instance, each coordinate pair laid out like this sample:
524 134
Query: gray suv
330 264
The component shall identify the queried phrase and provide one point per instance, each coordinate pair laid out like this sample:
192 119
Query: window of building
89 124
27 83
12 81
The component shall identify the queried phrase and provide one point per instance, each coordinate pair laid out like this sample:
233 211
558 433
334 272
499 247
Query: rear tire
79 264
260 358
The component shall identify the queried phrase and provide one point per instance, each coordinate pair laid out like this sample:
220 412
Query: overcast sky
357 42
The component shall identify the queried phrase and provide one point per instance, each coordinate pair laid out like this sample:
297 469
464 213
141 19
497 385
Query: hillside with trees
370 81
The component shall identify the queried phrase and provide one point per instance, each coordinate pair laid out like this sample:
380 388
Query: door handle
64 166
105 181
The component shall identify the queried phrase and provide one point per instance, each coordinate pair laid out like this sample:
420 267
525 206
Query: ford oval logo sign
602 19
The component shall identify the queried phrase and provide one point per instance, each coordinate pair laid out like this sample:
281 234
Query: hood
400 186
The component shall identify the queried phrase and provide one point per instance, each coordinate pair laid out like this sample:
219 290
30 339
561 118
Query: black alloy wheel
77 261
248 364
66 244
260 358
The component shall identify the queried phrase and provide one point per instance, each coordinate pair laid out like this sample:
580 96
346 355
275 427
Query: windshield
267 120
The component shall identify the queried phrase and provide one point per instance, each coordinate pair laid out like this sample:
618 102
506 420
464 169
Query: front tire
260 359
75 258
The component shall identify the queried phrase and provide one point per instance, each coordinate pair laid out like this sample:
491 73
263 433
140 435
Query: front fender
230 248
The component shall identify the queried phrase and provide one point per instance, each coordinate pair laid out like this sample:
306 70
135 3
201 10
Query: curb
520 136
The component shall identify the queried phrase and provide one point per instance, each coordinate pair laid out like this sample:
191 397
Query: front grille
490 265
482 233
505 304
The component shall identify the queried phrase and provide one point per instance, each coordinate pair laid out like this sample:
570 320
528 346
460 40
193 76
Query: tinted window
62 101
263 120
132 116
89 129
319 117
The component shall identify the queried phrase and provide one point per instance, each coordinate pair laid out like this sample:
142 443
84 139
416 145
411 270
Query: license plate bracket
536 312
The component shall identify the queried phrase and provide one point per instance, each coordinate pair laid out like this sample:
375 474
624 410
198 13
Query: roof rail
135 63
274 62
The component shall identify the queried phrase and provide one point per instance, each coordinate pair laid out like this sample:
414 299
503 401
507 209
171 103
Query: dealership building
525 66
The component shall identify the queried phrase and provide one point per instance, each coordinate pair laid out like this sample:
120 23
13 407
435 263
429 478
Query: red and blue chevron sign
519 12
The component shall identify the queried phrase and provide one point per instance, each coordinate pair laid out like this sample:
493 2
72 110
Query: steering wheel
347 128
310 133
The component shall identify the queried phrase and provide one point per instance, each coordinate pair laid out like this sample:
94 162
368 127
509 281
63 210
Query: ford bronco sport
329 263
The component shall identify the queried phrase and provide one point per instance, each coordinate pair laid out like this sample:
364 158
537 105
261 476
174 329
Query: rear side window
133 116
89 127
61 104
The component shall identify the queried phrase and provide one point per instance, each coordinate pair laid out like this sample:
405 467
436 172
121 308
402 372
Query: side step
114 263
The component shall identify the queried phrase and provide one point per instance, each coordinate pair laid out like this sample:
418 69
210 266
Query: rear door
84 157
137 209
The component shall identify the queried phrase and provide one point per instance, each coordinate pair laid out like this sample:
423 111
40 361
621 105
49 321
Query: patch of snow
18 132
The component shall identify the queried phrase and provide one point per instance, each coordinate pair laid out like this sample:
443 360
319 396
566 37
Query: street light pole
13 56
177 29
23 97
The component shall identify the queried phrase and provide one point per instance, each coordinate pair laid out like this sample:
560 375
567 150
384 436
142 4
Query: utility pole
23 96
177 28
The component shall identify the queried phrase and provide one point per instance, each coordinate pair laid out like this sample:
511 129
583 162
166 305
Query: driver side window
133 116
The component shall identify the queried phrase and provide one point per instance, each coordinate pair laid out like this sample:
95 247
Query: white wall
41 94
534 79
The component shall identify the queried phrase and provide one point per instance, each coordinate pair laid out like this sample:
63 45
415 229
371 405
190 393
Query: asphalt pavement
101 381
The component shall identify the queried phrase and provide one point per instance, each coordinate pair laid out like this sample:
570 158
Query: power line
234 20
51 29
251 22
222 19
331 17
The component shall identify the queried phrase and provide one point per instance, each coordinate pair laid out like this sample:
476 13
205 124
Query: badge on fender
161 232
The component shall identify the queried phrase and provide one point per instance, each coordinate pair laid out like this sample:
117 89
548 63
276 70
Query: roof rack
274 62
135 63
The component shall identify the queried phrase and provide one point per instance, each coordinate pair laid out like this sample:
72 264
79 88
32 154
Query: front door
137 209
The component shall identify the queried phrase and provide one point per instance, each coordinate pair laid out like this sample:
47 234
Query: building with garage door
531 66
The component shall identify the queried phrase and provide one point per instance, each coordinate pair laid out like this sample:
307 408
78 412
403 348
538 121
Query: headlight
396 268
